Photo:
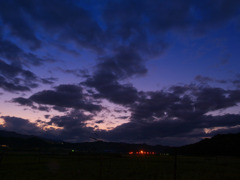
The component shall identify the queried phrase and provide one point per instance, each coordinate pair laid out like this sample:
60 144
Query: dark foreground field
104 167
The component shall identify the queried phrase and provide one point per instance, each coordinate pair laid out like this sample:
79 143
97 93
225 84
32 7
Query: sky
156 72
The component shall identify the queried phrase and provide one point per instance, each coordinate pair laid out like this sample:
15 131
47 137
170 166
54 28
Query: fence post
175 166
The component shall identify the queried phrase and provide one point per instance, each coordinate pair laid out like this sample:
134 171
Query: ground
109 167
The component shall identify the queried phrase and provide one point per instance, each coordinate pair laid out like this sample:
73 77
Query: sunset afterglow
150 72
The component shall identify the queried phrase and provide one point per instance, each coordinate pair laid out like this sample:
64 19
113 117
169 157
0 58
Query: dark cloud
159 117
25 126
43 108
17 22
161 131
64 96
123 35
16 55
71 120
180 111
131 23
133 32
74 126
203 79
123 64
115 92
236 81
47 116
176 113
76 72
206 80
209 99
23 101
131 20
9 50
60 109
129 35
11 86
14 78
27 102
234 95
154 104
120 111
75 24
11 70
183 102
48 80
122 117
100 122
20 125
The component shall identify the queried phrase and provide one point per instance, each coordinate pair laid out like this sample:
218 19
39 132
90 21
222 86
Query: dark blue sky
157 71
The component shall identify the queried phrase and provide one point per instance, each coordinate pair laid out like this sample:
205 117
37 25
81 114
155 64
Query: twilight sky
157 71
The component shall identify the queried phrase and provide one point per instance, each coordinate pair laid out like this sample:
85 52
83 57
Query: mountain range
222 144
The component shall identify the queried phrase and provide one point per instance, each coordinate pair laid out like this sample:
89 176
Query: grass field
106 167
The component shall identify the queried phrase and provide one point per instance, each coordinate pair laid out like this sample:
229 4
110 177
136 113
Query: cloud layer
42 38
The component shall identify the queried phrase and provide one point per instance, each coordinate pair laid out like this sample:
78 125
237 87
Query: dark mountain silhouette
116 147
222 144
22 142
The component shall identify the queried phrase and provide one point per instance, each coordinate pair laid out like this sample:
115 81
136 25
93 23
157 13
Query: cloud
100 122
123 64
133 27
76 72
48 80
17 22
236 82
20 125
62 97
23 101
70 121
129 38
14 78
65 18
206 80
123 36
183 102
124 94
74 126
14 54
27 102
157 17
161 131
138 35
203 79
176 116
11 87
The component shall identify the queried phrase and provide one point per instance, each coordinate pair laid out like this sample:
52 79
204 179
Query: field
114 167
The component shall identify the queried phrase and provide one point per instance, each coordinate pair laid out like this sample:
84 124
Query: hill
17 141
222 144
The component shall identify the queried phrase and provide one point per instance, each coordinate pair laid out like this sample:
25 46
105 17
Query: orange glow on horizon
142 152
